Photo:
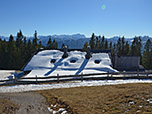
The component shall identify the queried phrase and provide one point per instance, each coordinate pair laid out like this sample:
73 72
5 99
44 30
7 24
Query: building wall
126 62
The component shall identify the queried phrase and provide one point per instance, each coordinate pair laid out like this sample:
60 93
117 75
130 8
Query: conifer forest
15 53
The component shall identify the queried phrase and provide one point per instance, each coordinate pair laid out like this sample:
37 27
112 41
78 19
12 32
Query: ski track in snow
32 87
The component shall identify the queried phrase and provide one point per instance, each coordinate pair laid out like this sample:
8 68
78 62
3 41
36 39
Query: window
52 60
72 61
97 61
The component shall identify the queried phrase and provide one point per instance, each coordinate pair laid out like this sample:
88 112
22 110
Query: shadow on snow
59 63
82 66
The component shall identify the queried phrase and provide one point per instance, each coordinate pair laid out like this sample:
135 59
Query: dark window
97 61
52 60
72 61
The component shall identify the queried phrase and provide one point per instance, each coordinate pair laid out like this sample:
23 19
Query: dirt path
29 102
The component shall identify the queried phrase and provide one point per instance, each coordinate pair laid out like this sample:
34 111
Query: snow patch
33 87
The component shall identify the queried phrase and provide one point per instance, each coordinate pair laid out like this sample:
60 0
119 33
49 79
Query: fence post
15 79
81 77
124 74
137 73
57 78
36 78
108 74
147 74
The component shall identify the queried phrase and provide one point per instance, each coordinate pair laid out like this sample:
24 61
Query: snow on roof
42 63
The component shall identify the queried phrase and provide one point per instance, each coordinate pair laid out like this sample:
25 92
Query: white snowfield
41 65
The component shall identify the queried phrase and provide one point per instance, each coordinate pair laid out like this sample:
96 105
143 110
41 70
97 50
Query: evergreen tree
123 46
113 50
85 46
4 54
119 46
92 42
147 55
126 48
136 47
106 45
63 46
97 43
49 44
19 39
34 43
103 42
54 44
35 39
110 45
12 54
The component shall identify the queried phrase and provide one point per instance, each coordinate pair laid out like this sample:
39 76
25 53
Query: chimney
65 49
88 55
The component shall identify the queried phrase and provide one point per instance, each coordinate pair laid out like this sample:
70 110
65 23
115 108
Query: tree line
14 53
123 48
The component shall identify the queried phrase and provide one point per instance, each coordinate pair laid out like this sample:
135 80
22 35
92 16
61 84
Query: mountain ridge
76 41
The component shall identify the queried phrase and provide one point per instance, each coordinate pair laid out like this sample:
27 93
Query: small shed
126 62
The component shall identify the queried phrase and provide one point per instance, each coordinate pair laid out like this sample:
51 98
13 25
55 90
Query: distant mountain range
76 41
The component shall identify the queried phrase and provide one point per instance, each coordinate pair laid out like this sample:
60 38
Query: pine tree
35 39
34 42
136 47
123 46
12 54
106 45
19 39
53 44
63 46
126 48
49 44
85 46
110 45
119 46
113 49
103 42
147 55
92 42
97 43
0 52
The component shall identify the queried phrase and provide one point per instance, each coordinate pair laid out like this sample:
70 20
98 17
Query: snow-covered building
51 63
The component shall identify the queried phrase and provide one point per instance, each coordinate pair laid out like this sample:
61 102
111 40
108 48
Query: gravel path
29 102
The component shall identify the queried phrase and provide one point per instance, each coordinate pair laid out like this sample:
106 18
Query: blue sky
103 17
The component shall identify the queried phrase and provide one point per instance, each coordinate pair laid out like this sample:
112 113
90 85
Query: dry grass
7 107
112 99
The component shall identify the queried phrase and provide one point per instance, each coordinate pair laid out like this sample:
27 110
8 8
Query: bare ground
110 99
28 102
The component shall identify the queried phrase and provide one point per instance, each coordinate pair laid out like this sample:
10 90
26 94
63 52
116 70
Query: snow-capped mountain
76 41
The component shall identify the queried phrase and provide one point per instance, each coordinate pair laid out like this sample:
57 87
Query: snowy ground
31 87
4 74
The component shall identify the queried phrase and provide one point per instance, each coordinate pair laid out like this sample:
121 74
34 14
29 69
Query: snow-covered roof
41 64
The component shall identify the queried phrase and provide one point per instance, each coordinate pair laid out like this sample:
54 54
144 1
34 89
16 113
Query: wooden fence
81 77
